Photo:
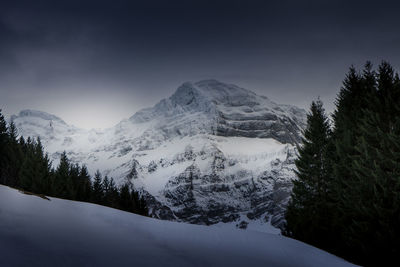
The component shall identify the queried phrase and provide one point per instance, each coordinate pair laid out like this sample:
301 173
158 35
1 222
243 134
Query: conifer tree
106 185
125 198
308 206
61 181
97 192
74 172
373 232
113 195
110 192
142 208
27 168
13 156
3 144
84 185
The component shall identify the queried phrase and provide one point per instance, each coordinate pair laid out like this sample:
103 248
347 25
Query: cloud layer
110 58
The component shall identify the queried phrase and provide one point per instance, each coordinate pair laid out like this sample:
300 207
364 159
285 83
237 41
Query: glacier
212 153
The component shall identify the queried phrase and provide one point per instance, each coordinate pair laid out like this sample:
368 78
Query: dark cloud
114 57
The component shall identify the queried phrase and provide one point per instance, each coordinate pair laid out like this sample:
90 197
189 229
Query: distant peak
212 90
208 82
38 114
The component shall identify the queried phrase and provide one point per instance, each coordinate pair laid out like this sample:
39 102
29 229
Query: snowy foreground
39 232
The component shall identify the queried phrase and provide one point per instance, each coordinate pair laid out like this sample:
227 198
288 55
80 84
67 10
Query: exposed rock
210 153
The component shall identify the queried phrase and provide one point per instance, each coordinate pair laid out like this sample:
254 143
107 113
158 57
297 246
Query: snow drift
39 232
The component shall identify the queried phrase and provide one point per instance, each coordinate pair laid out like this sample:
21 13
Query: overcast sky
95 62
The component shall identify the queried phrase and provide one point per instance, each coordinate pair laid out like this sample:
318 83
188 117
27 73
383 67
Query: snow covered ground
56 232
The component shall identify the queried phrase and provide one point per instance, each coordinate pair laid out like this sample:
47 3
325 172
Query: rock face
224 110
210 153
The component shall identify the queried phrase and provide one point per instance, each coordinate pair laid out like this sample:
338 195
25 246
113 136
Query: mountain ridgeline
210 153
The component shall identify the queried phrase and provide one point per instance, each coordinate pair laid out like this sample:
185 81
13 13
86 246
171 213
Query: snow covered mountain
210 153
57 232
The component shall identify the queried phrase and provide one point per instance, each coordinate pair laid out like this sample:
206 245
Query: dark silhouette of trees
360 204
25 165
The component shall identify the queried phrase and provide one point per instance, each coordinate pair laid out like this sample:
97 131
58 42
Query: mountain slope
39 232
210 153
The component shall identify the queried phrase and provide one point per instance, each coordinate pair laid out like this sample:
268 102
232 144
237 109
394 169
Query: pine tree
352 100
373 232
106 185
13 157
3 144
363 189
84 185
26 171
97 192
112 195
308 206
125 198
61 180
142 208
74 173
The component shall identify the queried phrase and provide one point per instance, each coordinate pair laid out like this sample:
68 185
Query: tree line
25 165
346 198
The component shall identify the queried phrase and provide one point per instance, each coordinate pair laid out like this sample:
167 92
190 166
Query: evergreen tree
74 173
27 169
106 186
61 180
110 192
125 198
358 213
141 206
373 233
3 144
13 157
352 100
307 210
113 194
84 185
36 170
97 192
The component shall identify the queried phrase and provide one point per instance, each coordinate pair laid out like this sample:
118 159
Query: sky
93 63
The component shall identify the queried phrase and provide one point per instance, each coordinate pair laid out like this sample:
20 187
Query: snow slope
212 152
56 232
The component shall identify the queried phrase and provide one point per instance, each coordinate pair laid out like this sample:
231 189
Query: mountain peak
212 90
37 114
